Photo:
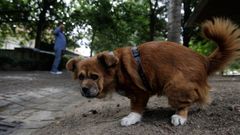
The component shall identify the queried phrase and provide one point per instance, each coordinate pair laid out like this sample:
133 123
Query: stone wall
27 59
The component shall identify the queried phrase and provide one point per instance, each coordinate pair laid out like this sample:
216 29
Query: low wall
27 59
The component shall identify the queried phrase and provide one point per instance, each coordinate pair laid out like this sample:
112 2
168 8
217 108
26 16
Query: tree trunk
174 20
40 25
152 18
91 44
41 22
186 31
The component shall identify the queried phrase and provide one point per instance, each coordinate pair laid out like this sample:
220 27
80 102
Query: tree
45 6
112 24
156 18
12 15
107 24
174 20
188 6
50 12
33 17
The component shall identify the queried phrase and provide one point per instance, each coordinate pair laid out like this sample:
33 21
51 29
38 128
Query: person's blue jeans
57 60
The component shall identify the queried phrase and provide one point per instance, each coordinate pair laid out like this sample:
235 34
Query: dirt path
101 117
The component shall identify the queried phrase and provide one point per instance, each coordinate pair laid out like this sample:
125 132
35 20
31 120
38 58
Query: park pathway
32 100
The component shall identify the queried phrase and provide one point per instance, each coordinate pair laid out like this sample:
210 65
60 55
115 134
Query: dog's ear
72 66
107 59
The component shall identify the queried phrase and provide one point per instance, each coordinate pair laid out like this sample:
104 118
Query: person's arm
57 30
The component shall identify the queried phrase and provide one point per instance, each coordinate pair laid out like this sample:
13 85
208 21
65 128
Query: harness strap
137 58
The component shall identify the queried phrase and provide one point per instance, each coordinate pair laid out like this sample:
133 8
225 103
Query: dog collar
137 58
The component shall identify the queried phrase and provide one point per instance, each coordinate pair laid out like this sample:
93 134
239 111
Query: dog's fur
171 70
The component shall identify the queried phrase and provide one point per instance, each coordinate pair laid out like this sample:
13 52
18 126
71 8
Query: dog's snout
85 90
89 91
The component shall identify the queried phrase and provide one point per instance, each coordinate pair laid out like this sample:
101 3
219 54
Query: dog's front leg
138 103
180 117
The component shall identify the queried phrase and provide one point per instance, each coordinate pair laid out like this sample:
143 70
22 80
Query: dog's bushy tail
227 36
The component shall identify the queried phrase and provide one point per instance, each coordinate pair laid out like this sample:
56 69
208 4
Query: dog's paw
131 119
178 120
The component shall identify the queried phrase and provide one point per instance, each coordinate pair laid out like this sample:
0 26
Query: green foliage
206 47
112 24
20 18
200 44
235 65
203 47
12 16
107 24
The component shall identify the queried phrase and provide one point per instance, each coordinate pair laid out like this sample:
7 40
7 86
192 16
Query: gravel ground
102 117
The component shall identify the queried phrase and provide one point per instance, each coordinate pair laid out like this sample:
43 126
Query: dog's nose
85 90
88 92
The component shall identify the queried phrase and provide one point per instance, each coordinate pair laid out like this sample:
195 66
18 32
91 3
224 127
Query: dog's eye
81 77
94 77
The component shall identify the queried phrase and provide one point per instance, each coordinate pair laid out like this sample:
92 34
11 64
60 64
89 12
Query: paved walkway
32 100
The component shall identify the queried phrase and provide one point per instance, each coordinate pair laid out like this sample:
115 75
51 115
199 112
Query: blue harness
137 58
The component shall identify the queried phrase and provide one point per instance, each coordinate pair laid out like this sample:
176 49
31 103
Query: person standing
59 47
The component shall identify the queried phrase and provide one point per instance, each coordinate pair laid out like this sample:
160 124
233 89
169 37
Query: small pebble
93 112
84 115
235 108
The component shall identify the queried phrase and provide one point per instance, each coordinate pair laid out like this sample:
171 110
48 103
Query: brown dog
167 68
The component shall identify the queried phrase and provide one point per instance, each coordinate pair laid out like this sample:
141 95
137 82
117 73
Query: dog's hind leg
181 105
181 95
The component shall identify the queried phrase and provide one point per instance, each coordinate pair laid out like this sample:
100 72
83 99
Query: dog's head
95 74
